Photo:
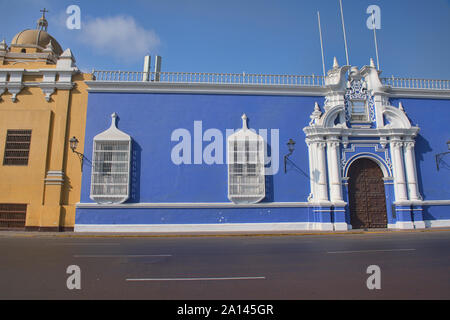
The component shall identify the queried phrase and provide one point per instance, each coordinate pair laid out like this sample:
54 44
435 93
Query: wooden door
367 200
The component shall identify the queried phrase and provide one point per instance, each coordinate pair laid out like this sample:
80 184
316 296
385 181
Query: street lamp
439 156
291 145
73 145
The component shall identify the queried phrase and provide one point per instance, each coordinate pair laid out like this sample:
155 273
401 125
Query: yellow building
43 101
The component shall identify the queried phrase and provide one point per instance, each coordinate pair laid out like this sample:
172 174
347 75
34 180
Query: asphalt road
413 265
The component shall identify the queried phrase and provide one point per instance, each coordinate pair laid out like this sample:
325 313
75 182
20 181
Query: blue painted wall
150 120
433 118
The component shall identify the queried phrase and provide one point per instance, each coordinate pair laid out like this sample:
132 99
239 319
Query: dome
36 37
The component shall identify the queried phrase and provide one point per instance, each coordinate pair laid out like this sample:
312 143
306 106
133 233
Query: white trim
423 203
341 226
418 93
248 227
404 225
437 223
204 88
197 205
293 226
419 225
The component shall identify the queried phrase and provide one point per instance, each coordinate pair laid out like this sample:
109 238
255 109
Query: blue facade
195 193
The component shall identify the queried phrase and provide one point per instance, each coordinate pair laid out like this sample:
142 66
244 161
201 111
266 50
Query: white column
333 171
399 171
411 173
312 157
322 188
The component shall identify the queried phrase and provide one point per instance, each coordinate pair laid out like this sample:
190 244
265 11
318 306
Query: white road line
121 255
362 251
198 279
82 244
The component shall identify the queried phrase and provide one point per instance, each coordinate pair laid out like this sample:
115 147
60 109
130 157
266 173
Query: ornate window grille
17 148
110 179
246 179
12 216
359 110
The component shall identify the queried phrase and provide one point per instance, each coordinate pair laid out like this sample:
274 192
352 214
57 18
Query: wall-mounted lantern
291 145
439 156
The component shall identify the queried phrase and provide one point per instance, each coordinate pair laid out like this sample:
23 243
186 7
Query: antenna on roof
343 30
375 39
321 42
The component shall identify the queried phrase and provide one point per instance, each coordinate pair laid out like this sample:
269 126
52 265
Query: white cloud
119 36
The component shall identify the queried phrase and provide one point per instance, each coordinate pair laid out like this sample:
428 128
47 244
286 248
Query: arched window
111 165
246 179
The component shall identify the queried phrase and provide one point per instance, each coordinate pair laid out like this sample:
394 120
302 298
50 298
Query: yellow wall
52 124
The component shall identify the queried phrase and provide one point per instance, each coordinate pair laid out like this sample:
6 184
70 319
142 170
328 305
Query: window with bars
246 179
359 110
12 216
110 171
110 179
17 147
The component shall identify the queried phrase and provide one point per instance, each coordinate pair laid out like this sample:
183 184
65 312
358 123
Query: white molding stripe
423 203
204 88
437 223
241 88
248 227
196 205
216 227
418 93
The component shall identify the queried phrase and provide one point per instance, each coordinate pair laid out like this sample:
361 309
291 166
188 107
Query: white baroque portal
358 122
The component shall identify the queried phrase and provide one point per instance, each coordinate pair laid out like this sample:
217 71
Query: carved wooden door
367 200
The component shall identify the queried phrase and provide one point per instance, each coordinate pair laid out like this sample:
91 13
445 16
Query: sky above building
252 36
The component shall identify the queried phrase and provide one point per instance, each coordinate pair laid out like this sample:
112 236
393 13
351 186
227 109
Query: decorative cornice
229 205
203 88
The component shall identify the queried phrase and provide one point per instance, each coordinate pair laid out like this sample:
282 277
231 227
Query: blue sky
252 36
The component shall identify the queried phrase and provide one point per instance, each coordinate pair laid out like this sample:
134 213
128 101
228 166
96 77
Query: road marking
381 250
121 255
82 244
198 279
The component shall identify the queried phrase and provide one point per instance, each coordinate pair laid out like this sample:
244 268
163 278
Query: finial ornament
400 106
372 63
42 23
315 116
316 106
335 63
244 121
113 119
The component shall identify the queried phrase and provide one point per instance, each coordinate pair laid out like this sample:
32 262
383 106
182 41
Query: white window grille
110 179
246 179
359 110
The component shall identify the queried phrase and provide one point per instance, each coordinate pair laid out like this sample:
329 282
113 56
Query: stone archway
367 199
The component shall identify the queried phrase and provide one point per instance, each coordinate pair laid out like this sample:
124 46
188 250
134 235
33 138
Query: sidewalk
69 234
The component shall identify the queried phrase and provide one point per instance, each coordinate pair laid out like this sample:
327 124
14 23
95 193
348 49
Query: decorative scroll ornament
315 116
357 90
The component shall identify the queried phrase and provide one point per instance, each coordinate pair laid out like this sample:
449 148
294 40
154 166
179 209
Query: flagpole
343 30
321 43
375 39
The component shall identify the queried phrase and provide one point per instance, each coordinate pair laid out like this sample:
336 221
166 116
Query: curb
37 234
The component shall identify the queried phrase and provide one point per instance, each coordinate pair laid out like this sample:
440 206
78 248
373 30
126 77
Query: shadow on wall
135 172
422 146
269 180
